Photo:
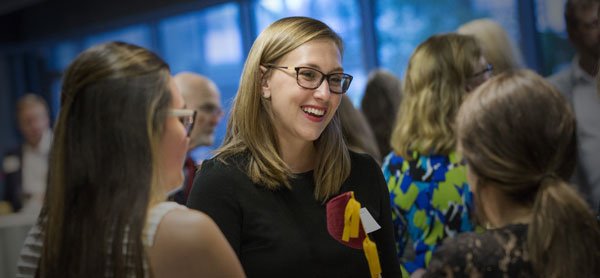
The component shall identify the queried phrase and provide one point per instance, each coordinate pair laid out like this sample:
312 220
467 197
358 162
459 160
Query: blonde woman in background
517 136
499 51
427 184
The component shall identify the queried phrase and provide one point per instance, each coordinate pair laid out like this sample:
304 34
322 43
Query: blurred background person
379 105
499 51
121 139
579 85
517 135
428 186
356 130
26 166
202 95
284 157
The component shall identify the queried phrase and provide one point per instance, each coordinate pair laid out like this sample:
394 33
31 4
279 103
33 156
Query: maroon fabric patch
336 209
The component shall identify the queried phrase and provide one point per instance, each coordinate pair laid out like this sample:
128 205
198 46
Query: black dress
493 253
283 233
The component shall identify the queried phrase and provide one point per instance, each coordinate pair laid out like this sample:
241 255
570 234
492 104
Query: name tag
368 221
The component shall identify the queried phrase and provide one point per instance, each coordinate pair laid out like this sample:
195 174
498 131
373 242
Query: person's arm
189 244
213 193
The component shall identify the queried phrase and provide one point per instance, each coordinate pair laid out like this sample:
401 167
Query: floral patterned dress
430 202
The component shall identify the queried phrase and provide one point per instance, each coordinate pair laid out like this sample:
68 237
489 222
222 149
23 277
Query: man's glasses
309 78
186 117
211 109
483 71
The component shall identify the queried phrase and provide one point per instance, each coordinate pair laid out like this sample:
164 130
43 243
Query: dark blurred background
40 37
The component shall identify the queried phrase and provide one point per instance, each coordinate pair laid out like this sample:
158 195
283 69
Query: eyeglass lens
188 122
311 79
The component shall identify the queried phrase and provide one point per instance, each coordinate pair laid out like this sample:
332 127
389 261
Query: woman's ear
263 76
264 82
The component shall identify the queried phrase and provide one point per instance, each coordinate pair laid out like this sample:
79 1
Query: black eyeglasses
309 78
488 68
186 117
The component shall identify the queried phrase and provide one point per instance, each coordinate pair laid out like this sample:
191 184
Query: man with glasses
579 86
201 95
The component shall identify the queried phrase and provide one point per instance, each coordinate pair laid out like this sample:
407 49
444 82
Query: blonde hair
250 128
498 50
518 132
433 89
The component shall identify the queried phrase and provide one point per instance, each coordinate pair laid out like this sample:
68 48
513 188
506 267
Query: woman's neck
501 210
298 155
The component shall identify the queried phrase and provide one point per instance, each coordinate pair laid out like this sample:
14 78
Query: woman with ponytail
517 135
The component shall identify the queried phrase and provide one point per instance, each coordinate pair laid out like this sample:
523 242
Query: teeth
314 111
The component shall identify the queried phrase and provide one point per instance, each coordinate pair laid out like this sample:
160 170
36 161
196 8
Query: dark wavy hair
379 104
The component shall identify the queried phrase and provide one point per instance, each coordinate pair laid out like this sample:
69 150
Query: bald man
202 95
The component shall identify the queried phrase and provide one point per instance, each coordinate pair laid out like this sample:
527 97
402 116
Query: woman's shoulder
514 235
225 163
184 230
189 244
229 168
361 160
483 252
419 161
363 166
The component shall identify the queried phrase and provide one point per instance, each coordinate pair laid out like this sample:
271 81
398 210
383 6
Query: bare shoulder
188 243
186 227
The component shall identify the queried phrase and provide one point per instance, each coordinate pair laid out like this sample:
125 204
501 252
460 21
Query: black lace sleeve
494 253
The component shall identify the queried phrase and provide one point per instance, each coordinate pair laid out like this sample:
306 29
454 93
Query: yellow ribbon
351 219
351 229
370 250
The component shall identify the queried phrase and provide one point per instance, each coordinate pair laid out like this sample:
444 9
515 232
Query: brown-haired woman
379 104
517 135
284 157
358 135
119 146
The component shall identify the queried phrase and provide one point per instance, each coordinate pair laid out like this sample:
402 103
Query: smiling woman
284 157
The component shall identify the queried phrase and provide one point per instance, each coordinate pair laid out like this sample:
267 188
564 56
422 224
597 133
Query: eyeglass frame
323 76
483 71
185 113
211 109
